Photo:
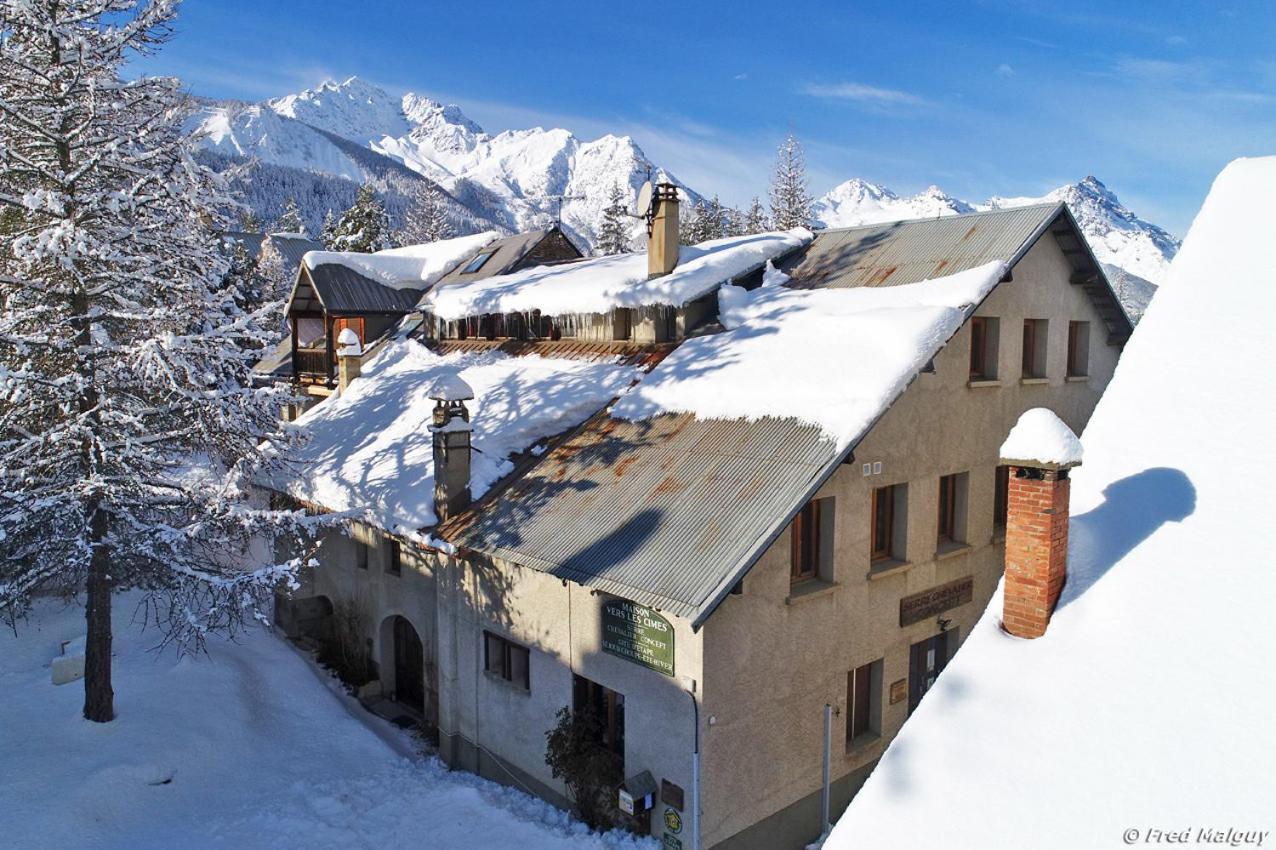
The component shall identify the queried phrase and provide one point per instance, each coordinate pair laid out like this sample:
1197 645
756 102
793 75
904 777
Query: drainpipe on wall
695 765
825 826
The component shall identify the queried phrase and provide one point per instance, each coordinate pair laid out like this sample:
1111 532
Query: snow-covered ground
249 747
1146 709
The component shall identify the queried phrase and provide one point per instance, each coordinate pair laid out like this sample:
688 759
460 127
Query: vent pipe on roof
662 231
451 429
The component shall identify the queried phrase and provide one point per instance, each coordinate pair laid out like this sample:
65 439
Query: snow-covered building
789 499
373 294
1142 716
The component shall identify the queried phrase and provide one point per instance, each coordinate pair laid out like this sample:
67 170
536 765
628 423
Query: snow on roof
835 358
1041 436
370 449
601 284
1147 704
409 267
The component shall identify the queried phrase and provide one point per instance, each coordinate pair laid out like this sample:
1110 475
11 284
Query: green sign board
638 634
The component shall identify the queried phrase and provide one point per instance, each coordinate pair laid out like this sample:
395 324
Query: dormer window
477 263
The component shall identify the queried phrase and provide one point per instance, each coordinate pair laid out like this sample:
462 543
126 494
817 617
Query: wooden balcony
312 365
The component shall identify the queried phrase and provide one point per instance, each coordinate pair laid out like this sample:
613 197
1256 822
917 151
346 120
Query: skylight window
477 263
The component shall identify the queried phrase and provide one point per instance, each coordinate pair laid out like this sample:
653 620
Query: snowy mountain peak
353 109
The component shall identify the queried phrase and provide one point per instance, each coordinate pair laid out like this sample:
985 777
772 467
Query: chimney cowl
348 343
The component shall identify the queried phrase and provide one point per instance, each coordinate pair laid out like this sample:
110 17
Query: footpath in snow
247 747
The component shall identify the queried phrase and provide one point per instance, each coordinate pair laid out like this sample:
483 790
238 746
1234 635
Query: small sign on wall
638 634
928 603
899 690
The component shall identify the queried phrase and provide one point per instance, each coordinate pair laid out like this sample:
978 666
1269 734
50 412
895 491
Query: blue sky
1010 97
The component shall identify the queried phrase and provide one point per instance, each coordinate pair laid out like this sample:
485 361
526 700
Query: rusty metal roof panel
903 252
664 512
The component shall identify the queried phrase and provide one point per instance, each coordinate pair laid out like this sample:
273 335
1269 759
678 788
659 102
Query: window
477 263
354 323
1078 349
360 554
952 509
889 522
393 557
1035 335
984 332
805 534
863 703
608 706
1001 501
507 660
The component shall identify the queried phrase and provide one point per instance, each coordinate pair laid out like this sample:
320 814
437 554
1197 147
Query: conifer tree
328 233
249 222
613 230
755 218
426 217
128 426
790 200
290 220
365 227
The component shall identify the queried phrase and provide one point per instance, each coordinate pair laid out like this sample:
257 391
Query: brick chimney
349 358
1040 451
451 429
662 231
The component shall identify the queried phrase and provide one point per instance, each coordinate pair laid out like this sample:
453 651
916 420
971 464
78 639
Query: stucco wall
499 730
773 659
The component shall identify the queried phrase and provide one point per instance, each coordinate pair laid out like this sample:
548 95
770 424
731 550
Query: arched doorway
409 665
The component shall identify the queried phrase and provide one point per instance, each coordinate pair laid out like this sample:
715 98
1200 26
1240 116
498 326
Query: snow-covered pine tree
290 220
365 227
689 224
328 233
790 201
249 222
425 219
127 426
755 219
613 230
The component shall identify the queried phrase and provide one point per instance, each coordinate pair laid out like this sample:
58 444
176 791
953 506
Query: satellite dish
644 200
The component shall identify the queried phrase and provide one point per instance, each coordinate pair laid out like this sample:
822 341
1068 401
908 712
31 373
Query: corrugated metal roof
250 241
293 248
664 511
344 290
911 251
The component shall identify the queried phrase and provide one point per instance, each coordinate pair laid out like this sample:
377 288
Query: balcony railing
311 363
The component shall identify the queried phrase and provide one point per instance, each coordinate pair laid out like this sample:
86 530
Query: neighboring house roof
903 252
1165 616
673 510
292 247
251 241
506 253
341 289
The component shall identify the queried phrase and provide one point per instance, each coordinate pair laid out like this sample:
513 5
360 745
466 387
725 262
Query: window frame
1036 348
362 554
477 262
882 515
984 347
1000 499
394 557
804 543
1078 349
499 657
863 704
946 528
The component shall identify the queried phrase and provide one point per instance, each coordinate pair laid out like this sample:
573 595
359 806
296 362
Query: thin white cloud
1004 70
863 93
1175 40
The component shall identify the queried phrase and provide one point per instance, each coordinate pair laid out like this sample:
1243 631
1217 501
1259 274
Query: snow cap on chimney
1040 438
348 343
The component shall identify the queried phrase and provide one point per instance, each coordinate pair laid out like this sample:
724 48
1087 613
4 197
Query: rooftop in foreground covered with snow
601 284
370 448
1146 706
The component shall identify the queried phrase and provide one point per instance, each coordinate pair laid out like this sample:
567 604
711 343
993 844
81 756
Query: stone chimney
1040 451
451 430
349 358
662 231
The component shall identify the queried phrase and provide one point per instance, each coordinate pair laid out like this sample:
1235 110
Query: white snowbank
604 283
409 267
371 448
834 357
1042 436
1147 705
249 747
